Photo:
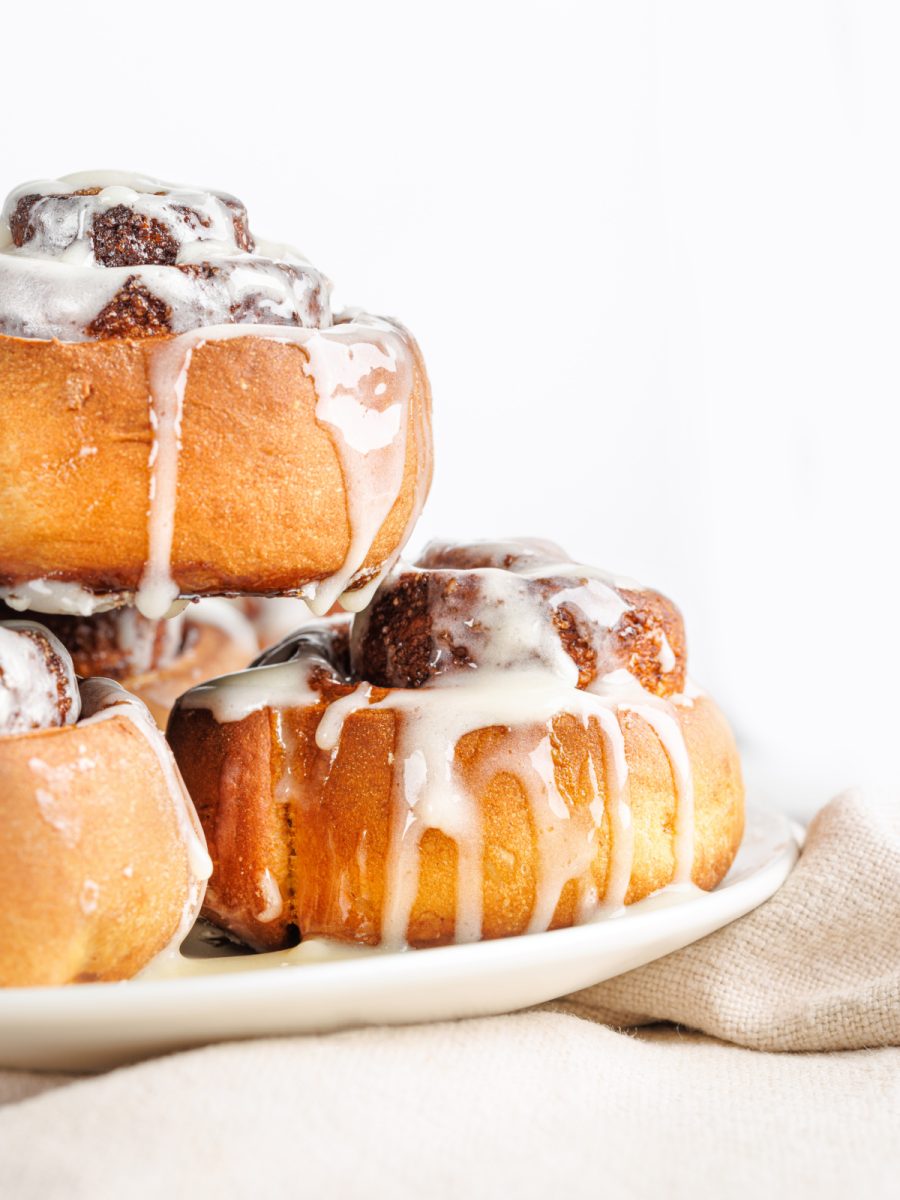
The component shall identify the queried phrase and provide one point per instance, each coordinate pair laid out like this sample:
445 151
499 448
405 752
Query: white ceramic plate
93 1026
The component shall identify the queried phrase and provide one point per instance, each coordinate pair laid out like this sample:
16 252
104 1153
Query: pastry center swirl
105 254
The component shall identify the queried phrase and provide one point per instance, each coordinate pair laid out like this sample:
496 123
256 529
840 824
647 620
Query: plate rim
91 1002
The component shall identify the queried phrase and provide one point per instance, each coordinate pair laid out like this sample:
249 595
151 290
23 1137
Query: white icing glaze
289 787
44 299
233 697
32 686
370 442
513 628
59 596
429 795
532 558
618 812
499 618
62 228
53 285
273 903
136 638
169 367
345 363
666 727
148 644
70 599
667 659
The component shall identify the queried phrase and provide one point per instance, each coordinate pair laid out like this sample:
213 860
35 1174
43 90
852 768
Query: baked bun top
523 614
519 604
106 254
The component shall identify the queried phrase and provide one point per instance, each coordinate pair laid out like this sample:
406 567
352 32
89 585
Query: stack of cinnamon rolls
495 740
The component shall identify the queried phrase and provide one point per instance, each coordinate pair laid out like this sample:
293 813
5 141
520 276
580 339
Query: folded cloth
541 1103
815 968
535 1104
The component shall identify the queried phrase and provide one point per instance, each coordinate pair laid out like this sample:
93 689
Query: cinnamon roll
182 415
504 742
105 863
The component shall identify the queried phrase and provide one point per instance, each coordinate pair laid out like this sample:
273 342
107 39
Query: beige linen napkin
815 968
543 1103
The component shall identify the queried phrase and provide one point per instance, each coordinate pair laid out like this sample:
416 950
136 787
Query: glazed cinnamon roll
182 415
105 863
504 742
157 660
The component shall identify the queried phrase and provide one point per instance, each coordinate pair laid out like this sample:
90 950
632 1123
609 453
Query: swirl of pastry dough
107 254
454 611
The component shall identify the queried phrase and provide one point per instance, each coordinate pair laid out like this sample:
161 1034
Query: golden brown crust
326 844
96 873
75 440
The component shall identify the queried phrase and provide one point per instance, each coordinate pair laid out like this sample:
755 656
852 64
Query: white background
651 253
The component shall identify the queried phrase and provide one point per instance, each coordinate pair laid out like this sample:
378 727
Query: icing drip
289 787
168 378
618 811
347 364
57 596
137 640
429 795
370 441
559 860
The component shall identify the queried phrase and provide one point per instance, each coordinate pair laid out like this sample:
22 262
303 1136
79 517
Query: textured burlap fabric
543 1103
816 968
